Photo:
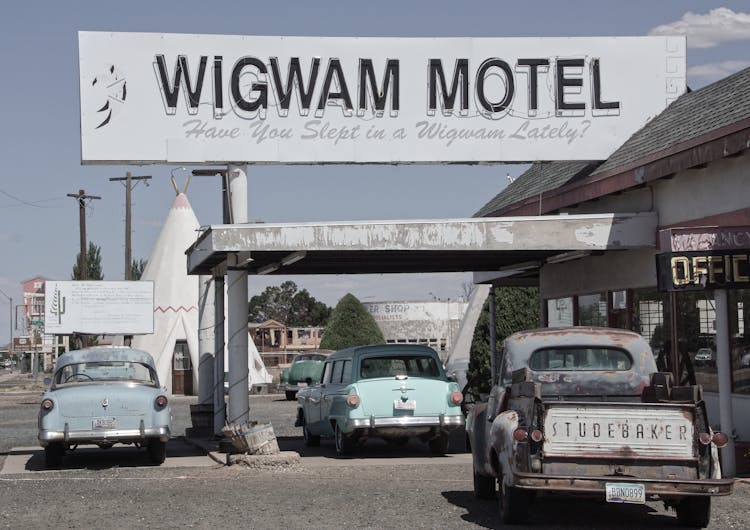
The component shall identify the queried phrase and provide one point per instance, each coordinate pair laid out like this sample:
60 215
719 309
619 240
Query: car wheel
290 395
311 440
439 445
157 451
344 444
694 511
484 487
53 454
513 503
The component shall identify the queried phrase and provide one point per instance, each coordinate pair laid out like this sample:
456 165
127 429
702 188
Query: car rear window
105 371
583 359
391 366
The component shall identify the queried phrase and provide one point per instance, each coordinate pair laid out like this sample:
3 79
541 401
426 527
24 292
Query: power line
22 202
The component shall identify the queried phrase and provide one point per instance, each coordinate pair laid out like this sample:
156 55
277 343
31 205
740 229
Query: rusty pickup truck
583 411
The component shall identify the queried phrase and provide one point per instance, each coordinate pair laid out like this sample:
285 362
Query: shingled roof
540 177
692 116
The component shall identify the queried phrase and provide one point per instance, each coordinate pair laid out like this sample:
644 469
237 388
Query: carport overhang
512 248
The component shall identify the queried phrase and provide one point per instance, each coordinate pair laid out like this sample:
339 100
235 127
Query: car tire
694 511
512 503
439 445
290 395
53 454
484 487
311 440
344 444
157 451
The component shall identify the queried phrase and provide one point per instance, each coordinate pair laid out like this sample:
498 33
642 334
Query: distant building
278 344
32 339
434 323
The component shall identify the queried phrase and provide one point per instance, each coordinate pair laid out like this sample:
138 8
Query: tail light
720 439
161 402
352 401
456 397
520 434
48 404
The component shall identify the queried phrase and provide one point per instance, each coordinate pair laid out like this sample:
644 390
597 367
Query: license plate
301 385
104 423
627 493
405 405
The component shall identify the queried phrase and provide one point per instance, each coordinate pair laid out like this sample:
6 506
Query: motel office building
690 165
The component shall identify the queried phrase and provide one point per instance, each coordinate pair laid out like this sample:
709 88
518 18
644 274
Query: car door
313 402
333 406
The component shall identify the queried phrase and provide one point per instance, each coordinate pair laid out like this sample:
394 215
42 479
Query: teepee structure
175 296
176 307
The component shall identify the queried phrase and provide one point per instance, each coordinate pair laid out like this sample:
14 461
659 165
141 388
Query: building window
592 310
181 358
559 312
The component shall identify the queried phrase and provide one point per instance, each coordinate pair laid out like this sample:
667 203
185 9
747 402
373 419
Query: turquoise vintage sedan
104 396
306 369
389 391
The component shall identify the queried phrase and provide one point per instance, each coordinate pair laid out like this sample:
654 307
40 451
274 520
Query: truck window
583 359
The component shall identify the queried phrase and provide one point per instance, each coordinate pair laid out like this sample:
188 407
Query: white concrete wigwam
175 293
176 300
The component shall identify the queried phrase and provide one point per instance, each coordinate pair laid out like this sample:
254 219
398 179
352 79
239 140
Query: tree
350 325
136 268
289 306
516 309
93 264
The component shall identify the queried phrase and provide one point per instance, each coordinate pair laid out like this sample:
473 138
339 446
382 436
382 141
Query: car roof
520 346
534 339
105 353
382 349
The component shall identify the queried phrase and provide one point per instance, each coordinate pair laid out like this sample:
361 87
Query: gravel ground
381 487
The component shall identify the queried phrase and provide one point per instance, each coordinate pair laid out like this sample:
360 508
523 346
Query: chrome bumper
111 436
664 488
441 421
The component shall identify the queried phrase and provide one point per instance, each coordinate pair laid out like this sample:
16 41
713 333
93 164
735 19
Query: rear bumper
596 485
104 436
442 421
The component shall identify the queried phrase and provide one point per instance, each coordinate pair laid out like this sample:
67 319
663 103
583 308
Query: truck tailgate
621 430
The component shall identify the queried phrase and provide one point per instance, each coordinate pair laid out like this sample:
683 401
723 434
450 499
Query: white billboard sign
99 307
203 99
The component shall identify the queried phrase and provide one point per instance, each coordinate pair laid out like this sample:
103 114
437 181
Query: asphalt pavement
380 486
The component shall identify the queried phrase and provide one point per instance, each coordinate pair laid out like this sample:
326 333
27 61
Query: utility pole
81 197
128 178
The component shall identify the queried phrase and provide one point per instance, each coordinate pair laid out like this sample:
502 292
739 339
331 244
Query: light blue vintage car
104 396
389 391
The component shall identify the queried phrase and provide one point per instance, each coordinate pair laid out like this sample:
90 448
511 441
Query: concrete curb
283 459
211 448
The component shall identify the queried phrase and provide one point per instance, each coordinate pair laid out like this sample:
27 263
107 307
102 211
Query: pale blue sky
40 147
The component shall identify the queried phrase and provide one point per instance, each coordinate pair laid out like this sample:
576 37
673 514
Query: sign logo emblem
108 90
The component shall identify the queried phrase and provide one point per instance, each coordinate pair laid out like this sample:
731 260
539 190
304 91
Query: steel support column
239 399
724 369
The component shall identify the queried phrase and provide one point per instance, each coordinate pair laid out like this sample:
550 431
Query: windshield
105 371
391 366
310 357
